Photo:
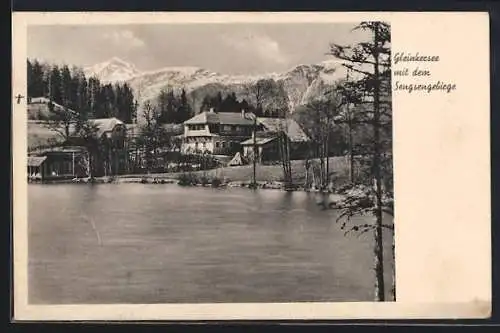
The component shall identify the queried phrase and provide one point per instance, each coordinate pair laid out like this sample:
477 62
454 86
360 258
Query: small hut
237 160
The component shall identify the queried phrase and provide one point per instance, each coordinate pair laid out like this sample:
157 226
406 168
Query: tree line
73 90
230 103
172 108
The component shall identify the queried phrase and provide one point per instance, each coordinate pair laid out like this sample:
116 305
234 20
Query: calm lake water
139 243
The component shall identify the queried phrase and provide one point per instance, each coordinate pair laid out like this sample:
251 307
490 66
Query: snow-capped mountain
113 70
301 83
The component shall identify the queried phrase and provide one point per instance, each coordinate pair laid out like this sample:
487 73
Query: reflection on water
135 243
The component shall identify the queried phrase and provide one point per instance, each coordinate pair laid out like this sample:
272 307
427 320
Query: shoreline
151 180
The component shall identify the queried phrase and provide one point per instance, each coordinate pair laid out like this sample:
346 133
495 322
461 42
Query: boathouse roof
36 161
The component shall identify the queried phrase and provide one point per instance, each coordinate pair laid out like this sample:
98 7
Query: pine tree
128 104
93 95
371 60
106 101
162 106
230 103
118 102
55 91
66 83
218 101
172 106
46 75
244 105
35 79
80 88
205 104
184 111
30 80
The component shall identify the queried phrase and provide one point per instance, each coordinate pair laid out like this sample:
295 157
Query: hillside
40 135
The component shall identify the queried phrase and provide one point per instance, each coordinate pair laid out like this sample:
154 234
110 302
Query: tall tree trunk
322 166
288 160
282 154
90 164
110 161
378 250
66 132
254 181
306 167
351 149
327 143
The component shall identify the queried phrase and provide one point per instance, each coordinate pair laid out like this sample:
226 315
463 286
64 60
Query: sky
224 48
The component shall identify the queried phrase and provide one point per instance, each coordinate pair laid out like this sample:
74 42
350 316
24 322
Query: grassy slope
38 134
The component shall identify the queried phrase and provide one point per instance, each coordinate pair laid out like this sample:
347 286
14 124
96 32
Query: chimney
242 113
211 110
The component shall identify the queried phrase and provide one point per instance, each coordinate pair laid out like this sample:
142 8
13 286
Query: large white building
217 133
230 133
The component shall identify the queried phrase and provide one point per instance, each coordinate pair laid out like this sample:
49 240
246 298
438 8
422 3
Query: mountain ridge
301 82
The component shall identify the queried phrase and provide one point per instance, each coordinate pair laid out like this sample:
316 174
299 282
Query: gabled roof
222 118
36 161
204 118
105 125
290 126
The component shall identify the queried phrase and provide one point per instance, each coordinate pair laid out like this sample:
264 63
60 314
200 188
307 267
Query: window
227 128
223 144
217 144
213 128
197 127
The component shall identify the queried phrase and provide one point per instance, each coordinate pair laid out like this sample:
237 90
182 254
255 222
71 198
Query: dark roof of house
223 118
290 126
36 161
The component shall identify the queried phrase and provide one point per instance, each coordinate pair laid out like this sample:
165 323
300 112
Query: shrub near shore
264 173
267 176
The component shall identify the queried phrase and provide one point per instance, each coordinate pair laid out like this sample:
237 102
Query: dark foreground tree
371 62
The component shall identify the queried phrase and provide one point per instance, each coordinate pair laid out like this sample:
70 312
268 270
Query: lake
140 243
